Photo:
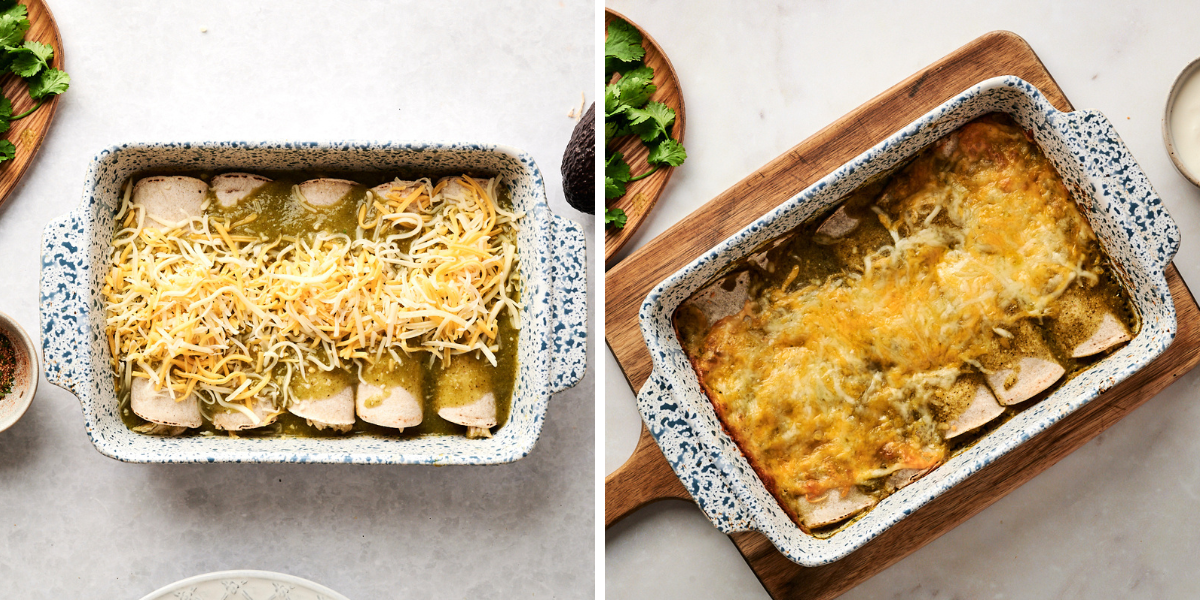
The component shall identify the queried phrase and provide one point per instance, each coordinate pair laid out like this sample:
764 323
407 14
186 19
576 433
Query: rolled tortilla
724 297
833 508
158 407
464 394
325 192
398 189
264 410
836 226
967 405
904 477
1083 323
324 399
1022 366
853 244
170 201
231 188
454 186
390 393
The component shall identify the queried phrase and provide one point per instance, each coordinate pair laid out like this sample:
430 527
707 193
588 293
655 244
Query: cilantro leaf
616 176
616 167
48 83
612 101
614 217
669 153
652 121
7 150
13 8
635 88
610 131
612 65
642 72
623 44
43 51
28 60
12 29
613 189
5 113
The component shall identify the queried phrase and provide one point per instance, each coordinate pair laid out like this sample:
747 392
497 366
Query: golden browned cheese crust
836 375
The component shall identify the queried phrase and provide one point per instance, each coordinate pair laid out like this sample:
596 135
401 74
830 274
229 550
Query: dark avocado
579 164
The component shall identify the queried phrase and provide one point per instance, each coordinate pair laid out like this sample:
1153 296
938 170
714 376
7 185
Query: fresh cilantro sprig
614 217
28 60
628 110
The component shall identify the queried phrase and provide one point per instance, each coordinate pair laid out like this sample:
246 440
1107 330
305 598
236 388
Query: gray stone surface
75 524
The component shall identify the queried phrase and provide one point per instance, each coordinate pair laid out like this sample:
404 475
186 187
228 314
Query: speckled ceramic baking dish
1113 193
551 351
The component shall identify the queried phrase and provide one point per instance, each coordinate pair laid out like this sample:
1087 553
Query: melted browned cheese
838 371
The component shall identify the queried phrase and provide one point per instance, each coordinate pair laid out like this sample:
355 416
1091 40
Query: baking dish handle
63 301
697 466
568 304
1120 177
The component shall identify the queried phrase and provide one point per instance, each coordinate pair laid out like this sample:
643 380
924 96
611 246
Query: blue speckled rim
1127 215
551 351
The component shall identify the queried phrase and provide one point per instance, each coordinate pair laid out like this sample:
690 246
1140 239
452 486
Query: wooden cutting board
28 133
647 477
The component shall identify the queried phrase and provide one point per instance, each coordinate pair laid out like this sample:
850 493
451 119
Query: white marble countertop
1117 518
75 524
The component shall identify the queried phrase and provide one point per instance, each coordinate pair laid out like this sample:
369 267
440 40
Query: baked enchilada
851 356
304 306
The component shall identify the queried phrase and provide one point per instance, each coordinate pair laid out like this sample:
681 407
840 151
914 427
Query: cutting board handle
646 477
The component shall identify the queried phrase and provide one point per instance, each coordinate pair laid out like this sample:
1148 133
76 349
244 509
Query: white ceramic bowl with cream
1181 123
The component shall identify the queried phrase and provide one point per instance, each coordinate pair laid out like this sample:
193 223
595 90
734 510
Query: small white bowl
25 377
1193 69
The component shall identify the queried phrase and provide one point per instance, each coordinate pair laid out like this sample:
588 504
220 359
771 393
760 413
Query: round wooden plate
641 195
28 133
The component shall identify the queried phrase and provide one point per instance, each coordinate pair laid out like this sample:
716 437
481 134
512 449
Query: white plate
244 585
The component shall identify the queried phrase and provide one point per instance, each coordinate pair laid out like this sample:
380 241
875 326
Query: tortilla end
325 191
983 408
398 408
1034 375
833 508
480 413
1108 334
231 188
158 407
335 411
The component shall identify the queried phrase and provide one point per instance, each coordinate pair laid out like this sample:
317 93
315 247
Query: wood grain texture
28 133
644 478
994 54
641 195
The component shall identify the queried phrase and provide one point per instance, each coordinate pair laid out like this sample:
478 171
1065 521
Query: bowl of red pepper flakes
18 371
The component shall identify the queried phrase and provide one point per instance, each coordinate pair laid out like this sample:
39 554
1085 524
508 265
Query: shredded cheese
199 308
832 385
